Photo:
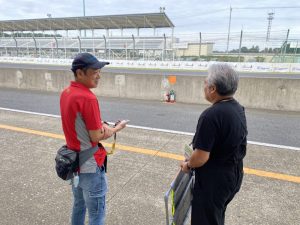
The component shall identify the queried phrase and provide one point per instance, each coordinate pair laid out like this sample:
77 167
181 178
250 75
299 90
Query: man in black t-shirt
219 148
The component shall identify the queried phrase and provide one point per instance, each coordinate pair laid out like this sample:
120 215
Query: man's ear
79 73
213 88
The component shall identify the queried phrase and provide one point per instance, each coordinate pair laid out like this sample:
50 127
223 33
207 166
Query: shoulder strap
87 154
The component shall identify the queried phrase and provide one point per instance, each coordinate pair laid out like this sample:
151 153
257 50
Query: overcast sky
189 16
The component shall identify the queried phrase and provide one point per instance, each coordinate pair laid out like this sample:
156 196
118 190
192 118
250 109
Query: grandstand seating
116 44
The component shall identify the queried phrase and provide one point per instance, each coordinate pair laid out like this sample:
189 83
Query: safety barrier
186 65
254 92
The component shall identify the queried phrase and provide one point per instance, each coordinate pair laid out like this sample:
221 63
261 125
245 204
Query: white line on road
29 112
156 129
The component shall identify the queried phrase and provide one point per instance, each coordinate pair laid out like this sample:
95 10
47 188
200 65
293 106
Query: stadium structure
25 37
43 37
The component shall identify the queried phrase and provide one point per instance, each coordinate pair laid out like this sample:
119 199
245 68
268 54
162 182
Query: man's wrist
188 166
103 134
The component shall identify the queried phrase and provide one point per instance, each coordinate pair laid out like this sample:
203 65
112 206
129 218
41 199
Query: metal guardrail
186 65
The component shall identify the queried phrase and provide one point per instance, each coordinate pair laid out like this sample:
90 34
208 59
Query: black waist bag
67 161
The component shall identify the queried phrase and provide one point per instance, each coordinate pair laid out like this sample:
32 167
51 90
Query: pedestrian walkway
139 174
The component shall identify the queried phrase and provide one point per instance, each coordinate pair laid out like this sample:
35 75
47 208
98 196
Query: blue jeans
90 194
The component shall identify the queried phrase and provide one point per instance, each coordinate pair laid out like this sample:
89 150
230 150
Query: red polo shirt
80 113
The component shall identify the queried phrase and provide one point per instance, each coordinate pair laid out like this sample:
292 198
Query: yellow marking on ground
278 176
149 152
260 173
28 131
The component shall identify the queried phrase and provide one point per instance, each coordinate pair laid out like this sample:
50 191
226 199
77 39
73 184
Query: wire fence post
241 38
285 46
295 52
200 44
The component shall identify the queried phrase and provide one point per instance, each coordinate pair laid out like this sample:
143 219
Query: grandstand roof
147 20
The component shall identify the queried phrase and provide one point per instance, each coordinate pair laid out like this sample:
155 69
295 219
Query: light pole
83 7
83 1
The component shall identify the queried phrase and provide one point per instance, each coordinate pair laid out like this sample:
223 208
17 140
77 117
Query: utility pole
229 29
270 18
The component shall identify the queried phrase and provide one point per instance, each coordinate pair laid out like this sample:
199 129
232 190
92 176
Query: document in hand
178 198
187 151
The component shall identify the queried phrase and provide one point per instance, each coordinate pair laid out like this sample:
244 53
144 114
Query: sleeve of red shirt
91 114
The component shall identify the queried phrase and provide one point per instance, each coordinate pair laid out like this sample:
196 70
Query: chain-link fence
246 46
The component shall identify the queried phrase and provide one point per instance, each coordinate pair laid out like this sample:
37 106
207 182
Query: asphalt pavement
266 126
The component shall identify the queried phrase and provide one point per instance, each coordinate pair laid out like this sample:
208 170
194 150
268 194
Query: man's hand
108 131
121 124
184 167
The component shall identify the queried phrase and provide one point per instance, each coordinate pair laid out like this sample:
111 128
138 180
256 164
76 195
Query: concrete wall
261 93
34 79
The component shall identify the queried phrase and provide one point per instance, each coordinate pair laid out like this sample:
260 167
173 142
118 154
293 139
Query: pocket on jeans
96 202
102 181
95 194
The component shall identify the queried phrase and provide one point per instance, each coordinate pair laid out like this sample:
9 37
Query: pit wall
260 93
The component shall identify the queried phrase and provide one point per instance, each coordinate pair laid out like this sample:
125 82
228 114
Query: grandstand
103 47
14 41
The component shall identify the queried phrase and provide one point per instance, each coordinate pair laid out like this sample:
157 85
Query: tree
254 49
244 49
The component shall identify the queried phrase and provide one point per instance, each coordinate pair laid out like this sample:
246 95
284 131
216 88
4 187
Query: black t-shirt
222 131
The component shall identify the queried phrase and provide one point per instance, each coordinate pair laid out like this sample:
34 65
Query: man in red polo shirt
83 129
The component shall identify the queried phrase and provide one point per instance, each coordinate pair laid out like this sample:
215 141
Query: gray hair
223 77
